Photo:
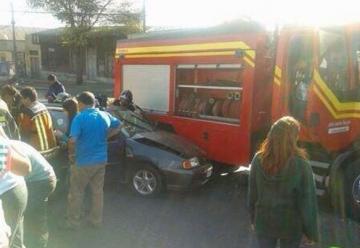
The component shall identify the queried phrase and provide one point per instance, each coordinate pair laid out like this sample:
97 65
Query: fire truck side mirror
358 64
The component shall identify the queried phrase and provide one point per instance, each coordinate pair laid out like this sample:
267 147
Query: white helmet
62 96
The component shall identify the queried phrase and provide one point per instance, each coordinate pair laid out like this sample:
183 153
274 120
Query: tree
80 16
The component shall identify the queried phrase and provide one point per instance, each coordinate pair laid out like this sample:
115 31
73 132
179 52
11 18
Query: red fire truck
222 88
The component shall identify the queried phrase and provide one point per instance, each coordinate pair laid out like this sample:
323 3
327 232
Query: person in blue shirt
41 182
54 89
89 132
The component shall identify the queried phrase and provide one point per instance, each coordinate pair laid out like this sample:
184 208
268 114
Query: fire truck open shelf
209 91
209 87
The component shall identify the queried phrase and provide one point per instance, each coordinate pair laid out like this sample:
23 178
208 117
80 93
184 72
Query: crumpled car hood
171 142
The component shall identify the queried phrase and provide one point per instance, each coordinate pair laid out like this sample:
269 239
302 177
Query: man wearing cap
88 154
54 89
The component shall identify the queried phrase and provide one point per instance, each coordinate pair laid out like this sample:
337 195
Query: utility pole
144 16
14 38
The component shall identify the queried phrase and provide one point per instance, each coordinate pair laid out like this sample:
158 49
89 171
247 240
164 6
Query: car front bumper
182 179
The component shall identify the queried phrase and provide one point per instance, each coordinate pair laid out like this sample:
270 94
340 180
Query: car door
116 149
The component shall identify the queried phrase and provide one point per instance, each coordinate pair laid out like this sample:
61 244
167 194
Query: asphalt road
214 216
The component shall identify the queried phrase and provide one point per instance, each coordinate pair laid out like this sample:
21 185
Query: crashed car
150 160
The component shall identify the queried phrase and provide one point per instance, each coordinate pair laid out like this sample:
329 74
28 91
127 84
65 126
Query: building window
34 53
35 38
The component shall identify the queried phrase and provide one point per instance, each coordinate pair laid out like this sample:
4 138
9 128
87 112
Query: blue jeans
270 242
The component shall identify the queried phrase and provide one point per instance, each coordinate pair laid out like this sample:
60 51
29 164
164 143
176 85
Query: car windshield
133 123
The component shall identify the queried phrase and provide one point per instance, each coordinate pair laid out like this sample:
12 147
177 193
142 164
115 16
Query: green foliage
80 16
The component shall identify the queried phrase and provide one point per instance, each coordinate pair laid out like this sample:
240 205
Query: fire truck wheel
146 181
352 190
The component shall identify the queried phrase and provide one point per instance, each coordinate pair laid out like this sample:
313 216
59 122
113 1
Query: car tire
352 190
146 181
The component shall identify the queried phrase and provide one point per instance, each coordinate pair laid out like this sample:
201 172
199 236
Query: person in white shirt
13 192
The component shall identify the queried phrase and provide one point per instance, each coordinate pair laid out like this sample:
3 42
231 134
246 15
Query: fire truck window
355 52
299 74
333 65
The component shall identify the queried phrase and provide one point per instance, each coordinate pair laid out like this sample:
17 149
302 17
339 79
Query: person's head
71 107
28 96
280 144
51 78
126 98
86 99
9 94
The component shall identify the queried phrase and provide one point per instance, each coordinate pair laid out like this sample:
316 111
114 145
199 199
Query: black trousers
14 204
36 222
270 242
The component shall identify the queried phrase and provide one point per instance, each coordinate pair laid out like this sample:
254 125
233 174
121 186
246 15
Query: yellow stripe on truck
213 46
330 108
339 106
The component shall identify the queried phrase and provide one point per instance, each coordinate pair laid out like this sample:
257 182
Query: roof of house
238 26
20 32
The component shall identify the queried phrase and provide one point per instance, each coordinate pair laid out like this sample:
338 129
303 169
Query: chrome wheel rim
144 182
356 190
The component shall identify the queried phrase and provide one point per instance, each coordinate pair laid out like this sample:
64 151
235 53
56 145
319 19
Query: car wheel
352 190
146 181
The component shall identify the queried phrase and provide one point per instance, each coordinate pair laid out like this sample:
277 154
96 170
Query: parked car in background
147 159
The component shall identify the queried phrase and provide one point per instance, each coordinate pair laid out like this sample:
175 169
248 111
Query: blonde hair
280 145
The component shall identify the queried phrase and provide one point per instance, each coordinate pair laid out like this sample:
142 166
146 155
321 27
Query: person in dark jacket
281 198
54 89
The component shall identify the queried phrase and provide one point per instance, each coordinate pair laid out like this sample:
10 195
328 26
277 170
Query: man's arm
19 164
71 150
75 132
16 162
115 126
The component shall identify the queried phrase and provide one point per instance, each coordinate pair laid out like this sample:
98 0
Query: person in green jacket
281 197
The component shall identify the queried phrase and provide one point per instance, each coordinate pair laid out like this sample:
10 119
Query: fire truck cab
222 88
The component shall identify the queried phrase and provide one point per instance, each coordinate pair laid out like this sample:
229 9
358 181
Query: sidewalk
73 89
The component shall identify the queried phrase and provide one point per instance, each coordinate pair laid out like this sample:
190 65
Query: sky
202 13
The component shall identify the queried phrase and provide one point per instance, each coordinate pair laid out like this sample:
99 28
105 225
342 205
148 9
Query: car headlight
190 163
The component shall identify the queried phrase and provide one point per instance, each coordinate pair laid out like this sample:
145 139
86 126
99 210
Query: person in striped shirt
13 192
35 122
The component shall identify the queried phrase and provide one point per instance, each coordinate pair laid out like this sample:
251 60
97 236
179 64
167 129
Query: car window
133 123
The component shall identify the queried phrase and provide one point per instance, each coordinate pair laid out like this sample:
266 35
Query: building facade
28 53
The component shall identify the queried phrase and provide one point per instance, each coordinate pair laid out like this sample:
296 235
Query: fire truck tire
145 181
208 106
352 190
195 109
216 111
234 110
202 106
